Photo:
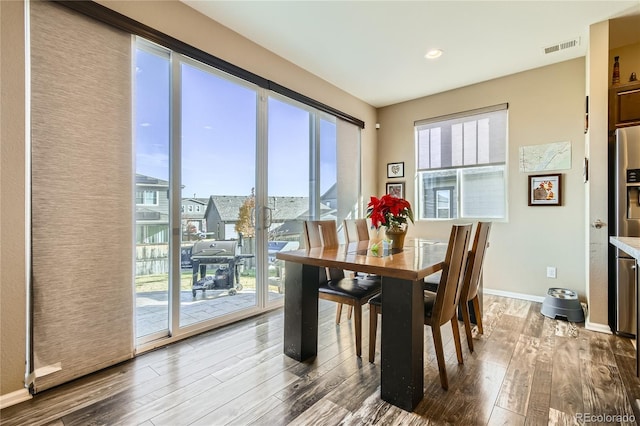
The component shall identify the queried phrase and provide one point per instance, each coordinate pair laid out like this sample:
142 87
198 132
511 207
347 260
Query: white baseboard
594 326
512 295
601 328
14 398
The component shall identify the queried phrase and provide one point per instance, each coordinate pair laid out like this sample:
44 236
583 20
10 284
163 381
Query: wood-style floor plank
603 391
525 369
534 321
503 417
566 386
540 398
516 387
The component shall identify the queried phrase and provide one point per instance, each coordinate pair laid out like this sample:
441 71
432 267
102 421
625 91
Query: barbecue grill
226 255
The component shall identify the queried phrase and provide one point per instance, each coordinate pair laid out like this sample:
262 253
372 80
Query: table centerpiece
391 213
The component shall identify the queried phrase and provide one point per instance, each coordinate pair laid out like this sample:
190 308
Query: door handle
267 218
598 224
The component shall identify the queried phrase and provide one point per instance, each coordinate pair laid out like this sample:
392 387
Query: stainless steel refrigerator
627 215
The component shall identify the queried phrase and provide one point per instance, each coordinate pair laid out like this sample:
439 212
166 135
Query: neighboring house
330 197
287 214
193 221
152 210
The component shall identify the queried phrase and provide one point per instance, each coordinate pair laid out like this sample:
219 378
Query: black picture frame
545 190
395 170
395 189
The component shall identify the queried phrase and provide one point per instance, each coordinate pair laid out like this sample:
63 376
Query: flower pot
396 235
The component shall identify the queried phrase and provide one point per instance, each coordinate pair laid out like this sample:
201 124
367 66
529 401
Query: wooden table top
415 261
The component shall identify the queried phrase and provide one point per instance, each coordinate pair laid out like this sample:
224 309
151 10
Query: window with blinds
461 162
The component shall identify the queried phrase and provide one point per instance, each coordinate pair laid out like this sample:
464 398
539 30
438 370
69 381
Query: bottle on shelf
616 71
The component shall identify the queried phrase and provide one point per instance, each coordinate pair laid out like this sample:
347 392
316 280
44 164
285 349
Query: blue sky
219 134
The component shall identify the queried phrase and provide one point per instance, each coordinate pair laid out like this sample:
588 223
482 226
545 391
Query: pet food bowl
562 303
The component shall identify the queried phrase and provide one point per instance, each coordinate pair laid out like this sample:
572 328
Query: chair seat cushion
364 275
431 282
356 288
429 300
376 300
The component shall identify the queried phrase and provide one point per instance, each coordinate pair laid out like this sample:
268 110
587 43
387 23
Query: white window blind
461 164
82 195
348 170
472 138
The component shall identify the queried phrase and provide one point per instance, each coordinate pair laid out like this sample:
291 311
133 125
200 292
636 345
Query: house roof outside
191 215
201 201
283 208
143 180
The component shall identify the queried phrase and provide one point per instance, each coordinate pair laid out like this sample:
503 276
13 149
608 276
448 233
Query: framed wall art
545 190
395 170
395 189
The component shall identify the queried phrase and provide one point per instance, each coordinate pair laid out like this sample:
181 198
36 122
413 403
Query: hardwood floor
526 370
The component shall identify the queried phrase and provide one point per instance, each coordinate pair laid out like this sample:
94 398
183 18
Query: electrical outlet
551 271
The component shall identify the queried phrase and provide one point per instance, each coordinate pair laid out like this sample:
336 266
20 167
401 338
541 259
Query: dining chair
353 291
355 230
471 283
440 307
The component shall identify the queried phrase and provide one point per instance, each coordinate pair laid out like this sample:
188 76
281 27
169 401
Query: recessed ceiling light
433 54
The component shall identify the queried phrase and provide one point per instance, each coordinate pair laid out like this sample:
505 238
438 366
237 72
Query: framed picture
545 190
395 189
395 170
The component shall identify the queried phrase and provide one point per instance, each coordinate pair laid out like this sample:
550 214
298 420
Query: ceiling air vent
562 46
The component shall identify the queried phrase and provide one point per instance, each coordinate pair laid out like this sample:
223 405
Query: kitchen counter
631 246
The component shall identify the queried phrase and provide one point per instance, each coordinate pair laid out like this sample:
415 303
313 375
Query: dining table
402 272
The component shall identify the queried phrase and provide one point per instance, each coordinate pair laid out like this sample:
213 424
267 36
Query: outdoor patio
151 307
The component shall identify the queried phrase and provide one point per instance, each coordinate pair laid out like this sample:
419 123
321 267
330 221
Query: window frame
143 198
457 199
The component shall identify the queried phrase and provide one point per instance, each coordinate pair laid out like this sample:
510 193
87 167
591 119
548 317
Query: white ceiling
375 50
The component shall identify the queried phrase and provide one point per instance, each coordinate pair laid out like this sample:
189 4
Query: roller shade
82 200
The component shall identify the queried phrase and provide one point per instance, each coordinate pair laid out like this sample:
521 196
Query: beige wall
545 105
179 21
596 205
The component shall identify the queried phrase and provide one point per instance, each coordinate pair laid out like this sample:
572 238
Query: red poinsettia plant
389 211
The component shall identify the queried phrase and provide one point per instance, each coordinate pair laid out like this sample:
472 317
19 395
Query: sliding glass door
226 173
218 119
288 199
152 135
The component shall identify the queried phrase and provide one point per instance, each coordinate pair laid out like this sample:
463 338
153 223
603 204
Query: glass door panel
218 177
152 136
288 185
328 171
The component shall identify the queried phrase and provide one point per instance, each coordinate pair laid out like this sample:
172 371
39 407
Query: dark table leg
301 311
402 371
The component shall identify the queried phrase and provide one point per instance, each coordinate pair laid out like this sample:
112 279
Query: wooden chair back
323 233
475 261
356 230
450 286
